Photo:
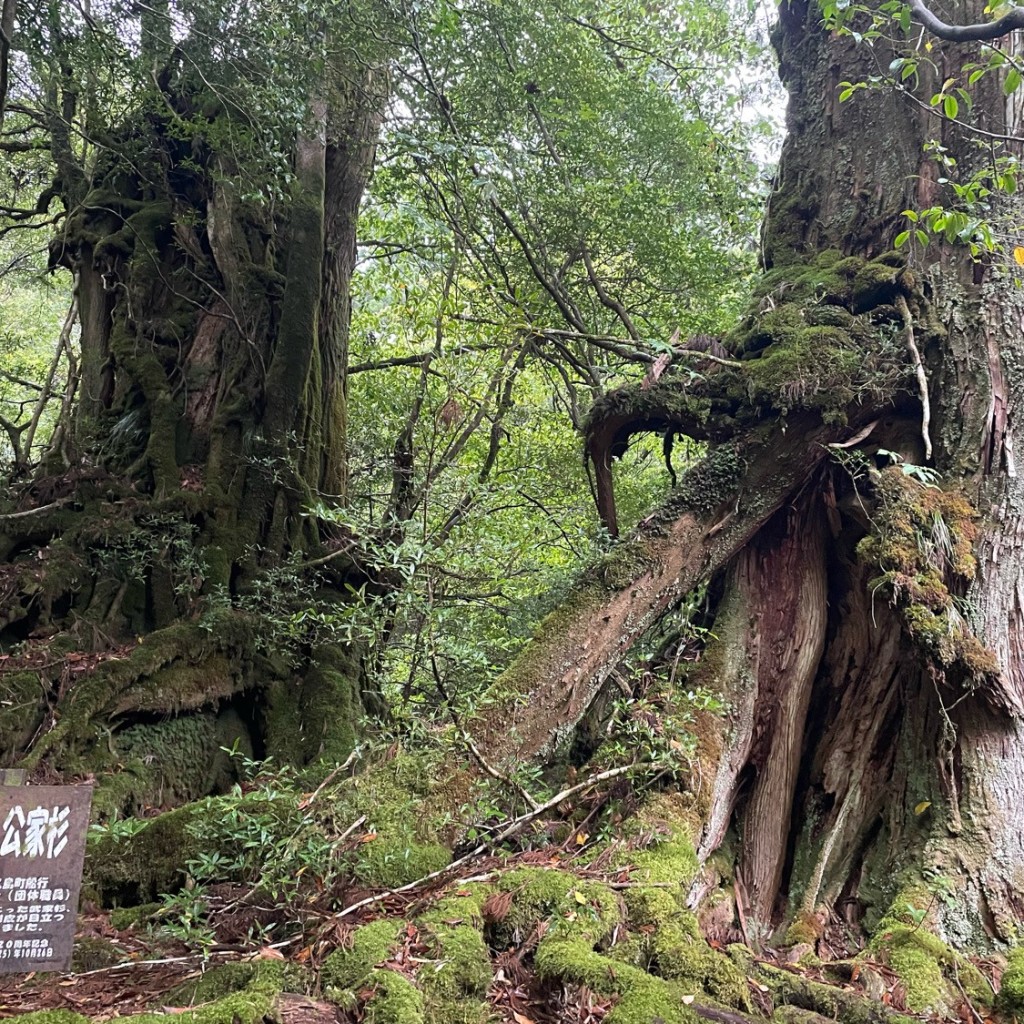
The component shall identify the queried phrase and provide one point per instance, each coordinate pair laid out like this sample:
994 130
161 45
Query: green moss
330 705
622 565
710 483
282 723
642 998
162 763
1011 990
395 1000
879 281
51 1017
818 368
806 928
668 939
462 971
391 795
371 944
498 715
665 822
677 951
923 541
92 952
180 667
391 861
922 960
127 917
251 1004
916 957
137 868
213 984
21 712
848 1007
586 909
659 405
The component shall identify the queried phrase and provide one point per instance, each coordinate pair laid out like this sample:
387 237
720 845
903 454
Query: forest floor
120 972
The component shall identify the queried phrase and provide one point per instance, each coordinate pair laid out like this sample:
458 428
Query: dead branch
922 380
512 828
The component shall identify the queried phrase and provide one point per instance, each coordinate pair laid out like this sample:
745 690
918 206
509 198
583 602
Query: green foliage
972 211
31 316
276 843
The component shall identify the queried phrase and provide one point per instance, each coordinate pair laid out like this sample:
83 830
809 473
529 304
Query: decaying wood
668 557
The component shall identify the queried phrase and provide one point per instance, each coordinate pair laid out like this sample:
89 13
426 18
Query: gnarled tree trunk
868 625
165 541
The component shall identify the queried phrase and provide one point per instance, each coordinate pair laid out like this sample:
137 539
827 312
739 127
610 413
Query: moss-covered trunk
163 548
865 556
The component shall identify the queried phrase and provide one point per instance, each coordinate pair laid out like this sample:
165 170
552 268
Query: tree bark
210 424
869 625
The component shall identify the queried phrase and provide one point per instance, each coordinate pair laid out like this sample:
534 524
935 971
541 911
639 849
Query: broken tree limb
538 701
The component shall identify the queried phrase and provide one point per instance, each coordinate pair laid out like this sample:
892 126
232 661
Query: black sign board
42 846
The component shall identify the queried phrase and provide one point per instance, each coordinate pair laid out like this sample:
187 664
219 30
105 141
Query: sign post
42 847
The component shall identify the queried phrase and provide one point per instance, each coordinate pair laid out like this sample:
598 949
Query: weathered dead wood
544 694
791 639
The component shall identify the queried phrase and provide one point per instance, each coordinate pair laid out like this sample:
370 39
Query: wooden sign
42 846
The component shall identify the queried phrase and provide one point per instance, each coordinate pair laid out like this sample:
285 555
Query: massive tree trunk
164 541
864 540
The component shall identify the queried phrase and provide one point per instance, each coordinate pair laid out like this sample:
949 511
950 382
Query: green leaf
901 239
1013 80
950 107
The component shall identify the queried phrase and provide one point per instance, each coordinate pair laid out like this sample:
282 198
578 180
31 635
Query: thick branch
968 33
7 12
580 645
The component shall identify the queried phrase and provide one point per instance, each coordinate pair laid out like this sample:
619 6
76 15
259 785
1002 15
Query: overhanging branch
967 33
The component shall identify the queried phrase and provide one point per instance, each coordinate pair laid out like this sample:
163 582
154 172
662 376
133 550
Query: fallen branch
349 761
34 511
496 775
514 826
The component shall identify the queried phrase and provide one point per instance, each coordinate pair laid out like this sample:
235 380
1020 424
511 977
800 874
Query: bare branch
922 380
6 36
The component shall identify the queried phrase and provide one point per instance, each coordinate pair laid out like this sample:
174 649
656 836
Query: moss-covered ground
532 933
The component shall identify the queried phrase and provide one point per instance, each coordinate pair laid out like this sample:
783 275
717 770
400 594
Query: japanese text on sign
40 832
42 843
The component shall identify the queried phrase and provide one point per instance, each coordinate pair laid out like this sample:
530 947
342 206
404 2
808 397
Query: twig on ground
349 761
514 826
495 774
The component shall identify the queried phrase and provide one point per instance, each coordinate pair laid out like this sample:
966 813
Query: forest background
324 327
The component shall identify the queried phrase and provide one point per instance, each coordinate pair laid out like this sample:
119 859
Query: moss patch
456 984
371 944
922 542
1011 991
137 868
395 999
51 1017
923 961
641 998
253 1003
